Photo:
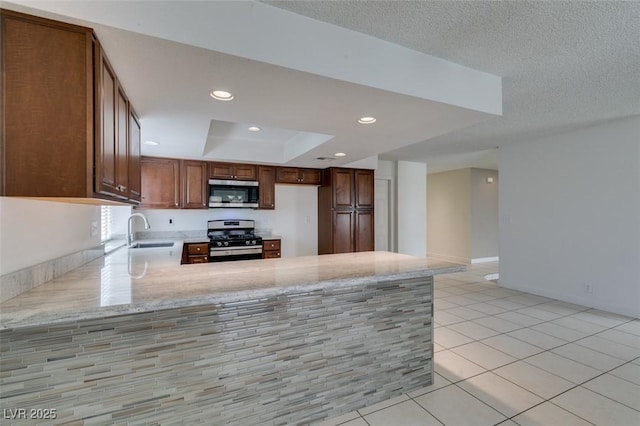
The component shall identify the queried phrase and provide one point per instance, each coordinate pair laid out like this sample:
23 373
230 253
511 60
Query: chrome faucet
129 233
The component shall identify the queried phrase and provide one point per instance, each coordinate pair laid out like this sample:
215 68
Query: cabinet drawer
273 254
198 259
270 245
202 249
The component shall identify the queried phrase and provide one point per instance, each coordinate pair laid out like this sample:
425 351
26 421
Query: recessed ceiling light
340 154
152 143
367 120
221 95
254 128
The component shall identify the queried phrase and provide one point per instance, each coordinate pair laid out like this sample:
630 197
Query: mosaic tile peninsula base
283 359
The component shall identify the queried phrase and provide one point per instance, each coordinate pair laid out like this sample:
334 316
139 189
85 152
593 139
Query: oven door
219 254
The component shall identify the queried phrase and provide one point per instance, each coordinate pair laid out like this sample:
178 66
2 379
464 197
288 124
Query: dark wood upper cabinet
160 183
310 176
267 180
194 184
135 188
122 143
364 188
66 120
112 142
342 188
106 147
233 171
47 108
299 175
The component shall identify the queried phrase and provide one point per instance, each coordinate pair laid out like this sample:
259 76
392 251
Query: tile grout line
543 350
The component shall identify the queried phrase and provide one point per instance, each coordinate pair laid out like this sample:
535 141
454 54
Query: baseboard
446 258
485 259
576 300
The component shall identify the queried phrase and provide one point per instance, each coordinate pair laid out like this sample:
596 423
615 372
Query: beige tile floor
512 358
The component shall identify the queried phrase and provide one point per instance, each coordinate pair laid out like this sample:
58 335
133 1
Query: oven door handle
236 251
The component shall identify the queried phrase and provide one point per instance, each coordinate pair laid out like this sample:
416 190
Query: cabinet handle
198 248
176 204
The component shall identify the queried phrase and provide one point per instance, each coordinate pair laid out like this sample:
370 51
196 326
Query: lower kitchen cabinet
363 231
195 253
271 249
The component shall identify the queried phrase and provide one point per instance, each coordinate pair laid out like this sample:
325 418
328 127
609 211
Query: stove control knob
253 242
247 242
226 243
219 243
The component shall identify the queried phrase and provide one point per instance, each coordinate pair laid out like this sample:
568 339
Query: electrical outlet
307 220
588 288
171 222
93 230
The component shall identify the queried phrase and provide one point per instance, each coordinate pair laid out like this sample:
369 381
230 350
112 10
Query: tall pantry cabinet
345 211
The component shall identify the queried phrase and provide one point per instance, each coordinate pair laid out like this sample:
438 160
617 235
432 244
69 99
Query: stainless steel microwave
233 193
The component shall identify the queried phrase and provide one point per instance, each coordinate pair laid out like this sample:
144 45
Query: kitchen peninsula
134 335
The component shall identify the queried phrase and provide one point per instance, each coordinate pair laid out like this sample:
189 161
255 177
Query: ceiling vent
325 158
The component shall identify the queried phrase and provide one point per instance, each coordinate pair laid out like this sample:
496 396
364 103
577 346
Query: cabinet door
122 144
364 188
287 175
364 231
221 171
342 188
267 196
46 108
160 183
194 185
245 172
135 190
106 148
310 176
343 231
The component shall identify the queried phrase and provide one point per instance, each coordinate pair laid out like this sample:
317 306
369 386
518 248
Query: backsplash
169 235
15 283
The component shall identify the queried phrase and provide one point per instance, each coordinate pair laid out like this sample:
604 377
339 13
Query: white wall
462 207
411 190
449 220
34 231
570 216
484 214
295 219
386 170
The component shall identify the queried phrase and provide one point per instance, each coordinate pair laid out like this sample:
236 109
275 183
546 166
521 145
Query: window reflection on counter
115 289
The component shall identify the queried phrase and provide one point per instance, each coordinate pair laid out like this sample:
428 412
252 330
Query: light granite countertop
140 280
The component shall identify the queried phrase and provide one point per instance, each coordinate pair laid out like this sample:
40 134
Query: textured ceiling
313 66
564 64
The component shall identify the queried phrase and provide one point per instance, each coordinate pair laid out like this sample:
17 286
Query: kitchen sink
151 245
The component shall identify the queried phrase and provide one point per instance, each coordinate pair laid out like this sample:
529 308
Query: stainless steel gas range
233 239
